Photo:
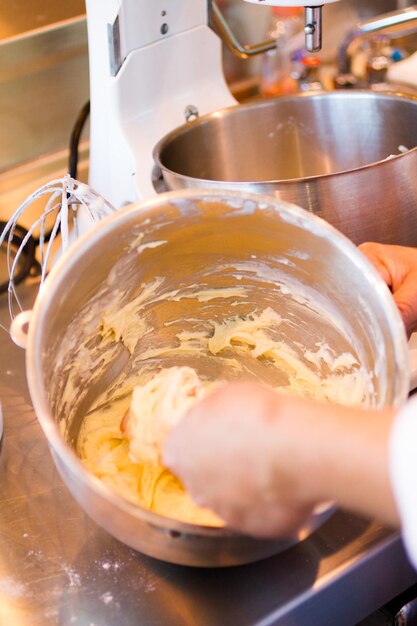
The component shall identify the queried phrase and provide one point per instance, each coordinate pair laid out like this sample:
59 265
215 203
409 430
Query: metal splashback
43 78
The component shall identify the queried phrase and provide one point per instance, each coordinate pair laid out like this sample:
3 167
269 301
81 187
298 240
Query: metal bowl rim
357 93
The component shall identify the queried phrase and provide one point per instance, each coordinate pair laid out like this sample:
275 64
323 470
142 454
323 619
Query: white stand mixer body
148 63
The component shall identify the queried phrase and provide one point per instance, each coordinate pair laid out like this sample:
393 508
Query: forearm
341 454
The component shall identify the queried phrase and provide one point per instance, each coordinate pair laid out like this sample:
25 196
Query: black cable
75 139
76 131
27 256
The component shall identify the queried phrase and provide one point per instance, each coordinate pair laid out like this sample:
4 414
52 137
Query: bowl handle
19 328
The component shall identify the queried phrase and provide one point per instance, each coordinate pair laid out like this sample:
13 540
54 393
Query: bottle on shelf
278 76
310 76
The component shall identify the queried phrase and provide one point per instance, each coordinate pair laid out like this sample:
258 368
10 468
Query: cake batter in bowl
197 288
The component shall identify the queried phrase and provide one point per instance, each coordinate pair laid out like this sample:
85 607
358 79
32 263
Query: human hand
231 455
262 460
397 265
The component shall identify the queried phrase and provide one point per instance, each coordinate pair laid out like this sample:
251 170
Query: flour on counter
107 597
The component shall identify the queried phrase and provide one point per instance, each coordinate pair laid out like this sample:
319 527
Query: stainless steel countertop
58 567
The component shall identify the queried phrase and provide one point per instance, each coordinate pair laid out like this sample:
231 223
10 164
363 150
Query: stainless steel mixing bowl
212 240
324 152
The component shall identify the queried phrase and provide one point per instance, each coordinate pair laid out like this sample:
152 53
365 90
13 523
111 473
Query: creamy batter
104 448
122 443
156 407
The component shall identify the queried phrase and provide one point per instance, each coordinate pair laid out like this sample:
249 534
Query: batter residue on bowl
121 442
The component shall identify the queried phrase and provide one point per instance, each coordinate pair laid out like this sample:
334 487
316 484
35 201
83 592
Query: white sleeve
403 473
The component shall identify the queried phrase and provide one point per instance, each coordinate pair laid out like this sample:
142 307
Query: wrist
336 453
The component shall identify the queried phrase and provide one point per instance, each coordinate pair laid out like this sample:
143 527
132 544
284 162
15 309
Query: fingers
281 520
227 453
213 438
397 265
406 301
374 252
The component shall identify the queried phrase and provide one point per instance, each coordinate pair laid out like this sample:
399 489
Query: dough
156 408
104 449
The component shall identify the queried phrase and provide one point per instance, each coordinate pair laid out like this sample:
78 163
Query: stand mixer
154 66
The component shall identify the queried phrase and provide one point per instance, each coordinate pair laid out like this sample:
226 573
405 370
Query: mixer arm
313 18
230 39
312 29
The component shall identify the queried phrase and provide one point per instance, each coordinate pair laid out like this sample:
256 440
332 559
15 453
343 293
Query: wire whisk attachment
64 199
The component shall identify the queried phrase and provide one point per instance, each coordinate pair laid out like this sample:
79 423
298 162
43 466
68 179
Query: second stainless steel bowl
327 153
